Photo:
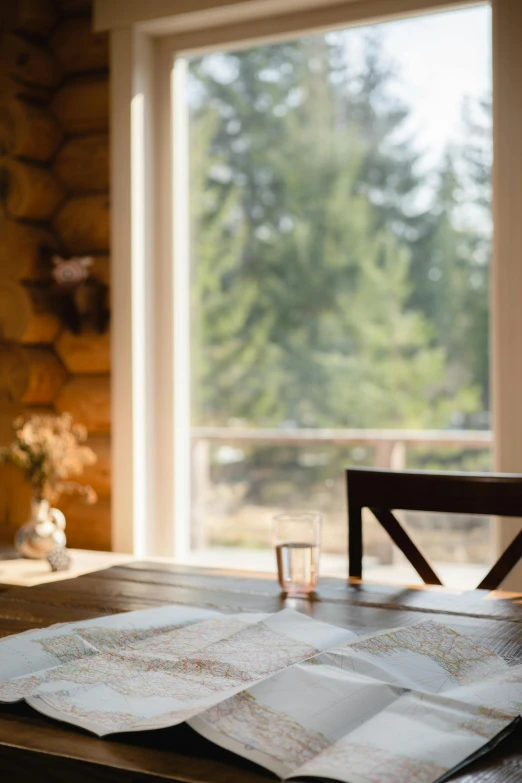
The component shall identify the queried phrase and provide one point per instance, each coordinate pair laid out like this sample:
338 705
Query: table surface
31 744
19 571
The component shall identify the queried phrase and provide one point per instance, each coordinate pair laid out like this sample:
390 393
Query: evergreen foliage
332 285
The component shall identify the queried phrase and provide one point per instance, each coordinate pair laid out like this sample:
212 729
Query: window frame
149 350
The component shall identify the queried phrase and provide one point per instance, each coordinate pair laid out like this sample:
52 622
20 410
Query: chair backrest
383 491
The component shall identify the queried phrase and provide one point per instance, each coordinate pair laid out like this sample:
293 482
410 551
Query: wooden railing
390 450
386 442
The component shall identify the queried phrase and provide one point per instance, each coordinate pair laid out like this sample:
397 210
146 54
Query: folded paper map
299 697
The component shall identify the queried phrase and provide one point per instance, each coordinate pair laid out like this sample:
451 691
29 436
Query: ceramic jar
43 532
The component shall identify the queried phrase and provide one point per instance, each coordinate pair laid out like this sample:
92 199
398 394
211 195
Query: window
146 379
340 244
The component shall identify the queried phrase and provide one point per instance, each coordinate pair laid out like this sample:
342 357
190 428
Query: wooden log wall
54 183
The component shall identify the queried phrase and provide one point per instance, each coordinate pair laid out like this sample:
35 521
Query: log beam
15 501
30 135
30 376
25 316
15 310
74 7
81 105
82 164
87 399
101 269
43 325
98 475
9 411
24 249
34 17
30 192
88 353
78 48
28 130
88 527
12 88
28 62
83 224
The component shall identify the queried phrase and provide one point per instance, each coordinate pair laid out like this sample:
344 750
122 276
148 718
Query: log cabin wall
54 182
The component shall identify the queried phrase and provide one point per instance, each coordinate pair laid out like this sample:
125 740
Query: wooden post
398 455
201 485
383 453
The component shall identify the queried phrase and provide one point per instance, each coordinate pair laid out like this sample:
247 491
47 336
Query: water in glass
297 566
297 544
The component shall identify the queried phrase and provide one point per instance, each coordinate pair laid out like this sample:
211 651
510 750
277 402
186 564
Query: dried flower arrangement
49 449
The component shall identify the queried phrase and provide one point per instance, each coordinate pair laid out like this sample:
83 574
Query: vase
43 532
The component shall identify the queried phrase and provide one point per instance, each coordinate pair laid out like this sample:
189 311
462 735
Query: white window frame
149 350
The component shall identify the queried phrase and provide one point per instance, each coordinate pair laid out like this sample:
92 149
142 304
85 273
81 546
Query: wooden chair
382 491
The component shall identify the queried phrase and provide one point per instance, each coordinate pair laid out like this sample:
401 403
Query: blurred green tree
323 294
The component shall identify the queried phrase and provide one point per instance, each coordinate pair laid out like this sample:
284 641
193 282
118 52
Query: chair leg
503 565
400 537
355 544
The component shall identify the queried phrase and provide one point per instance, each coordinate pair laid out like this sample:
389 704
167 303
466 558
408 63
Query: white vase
43 532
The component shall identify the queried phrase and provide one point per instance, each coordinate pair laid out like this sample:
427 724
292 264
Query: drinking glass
297 540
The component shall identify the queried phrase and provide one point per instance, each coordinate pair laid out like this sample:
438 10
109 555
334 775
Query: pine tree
302 251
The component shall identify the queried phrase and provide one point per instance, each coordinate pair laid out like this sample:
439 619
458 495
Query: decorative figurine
59 559
78 296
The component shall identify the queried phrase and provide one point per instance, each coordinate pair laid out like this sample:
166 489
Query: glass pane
340 253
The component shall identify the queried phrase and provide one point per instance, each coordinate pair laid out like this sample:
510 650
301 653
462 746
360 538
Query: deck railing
390 451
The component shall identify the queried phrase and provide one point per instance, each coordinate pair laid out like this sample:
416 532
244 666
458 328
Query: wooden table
21 572
34 746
